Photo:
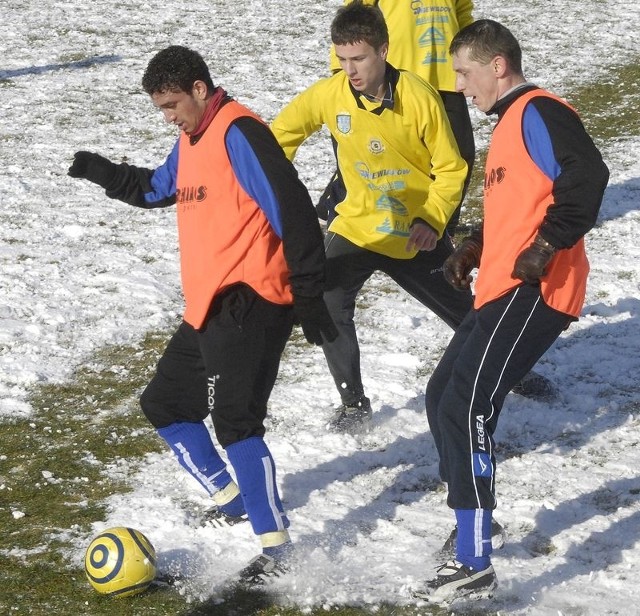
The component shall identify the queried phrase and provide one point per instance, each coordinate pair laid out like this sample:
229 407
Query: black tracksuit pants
348 268
226 369
490 352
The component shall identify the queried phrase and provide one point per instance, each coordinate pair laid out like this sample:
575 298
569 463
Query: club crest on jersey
343 121
376 146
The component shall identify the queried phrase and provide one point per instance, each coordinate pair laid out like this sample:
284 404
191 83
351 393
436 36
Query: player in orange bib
252 258
544 184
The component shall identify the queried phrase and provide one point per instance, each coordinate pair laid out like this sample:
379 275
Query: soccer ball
120 562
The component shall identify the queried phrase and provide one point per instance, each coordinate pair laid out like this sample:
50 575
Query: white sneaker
454 580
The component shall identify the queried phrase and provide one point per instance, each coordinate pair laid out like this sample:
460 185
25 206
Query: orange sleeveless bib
225 238
516 197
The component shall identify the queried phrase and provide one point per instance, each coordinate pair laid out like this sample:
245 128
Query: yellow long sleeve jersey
419 37
398 159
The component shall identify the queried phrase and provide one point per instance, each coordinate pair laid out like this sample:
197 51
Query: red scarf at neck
219 95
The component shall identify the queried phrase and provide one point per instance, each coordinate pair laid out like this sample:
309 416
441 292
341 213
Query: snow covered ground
79 271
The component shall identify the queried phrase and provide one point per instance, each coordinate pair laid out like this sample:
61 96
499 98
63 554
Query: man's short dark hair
175 69
487 39
357 22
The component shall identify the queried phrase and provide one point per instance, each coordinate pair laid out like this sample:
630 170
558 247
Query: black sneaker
352 418
260 570
498 539
455 580
219 519
536 387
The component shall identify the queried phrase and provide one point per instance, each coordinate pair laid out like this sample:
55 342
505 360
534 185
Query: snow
80 271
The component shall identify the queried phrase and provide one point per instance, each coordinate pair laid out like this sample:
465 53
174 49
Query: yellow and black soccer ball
120 562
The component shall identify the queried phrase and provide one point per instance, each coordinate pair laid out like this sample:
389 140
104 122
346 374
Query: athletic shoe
536 386
219 519
260 570
455 580
352 418
498 539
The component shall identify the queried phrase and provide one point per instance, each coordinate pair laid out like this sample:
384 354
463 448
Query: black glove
314 318
457 267
92 167
531 264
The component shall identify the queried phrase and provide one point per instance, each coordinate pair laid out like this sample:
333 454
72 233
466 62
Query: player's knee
150 410
159 414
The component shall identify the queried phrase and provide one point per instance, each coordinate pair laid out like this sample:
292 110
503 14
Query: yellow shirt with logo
398 164
420 32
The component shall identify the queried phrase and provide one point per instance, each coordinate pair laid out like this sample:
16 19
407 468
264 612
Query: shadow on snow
47 68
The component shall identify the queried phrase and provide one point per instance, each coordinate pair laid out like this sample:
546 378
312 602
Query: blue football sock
234 507
192 444
256 475
279 552
473 544
229 500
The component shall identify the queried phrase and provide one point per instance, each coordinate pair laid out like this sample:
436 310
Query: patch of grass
472 213
625 275
68 58
51 477
261 604
610 109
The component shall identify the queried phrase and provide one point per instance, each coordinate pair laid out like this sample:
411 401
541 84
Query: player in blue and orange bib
252 259
544 184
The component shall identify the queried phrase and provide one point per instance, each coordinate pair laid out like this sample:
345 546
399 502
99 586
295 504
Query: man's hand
314 318
532 262
457 268
421 237
92 167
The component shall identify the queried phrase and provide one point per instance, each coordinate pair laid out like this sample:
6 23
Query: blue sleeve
538 142
252 177
563 150
163 180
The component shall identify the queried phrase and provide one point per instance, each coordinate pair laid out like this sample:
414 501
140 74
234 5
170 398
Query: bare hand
421 237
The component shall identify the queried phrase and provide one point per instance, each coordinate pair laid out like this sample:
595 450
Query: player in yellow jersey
404 177
419 36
